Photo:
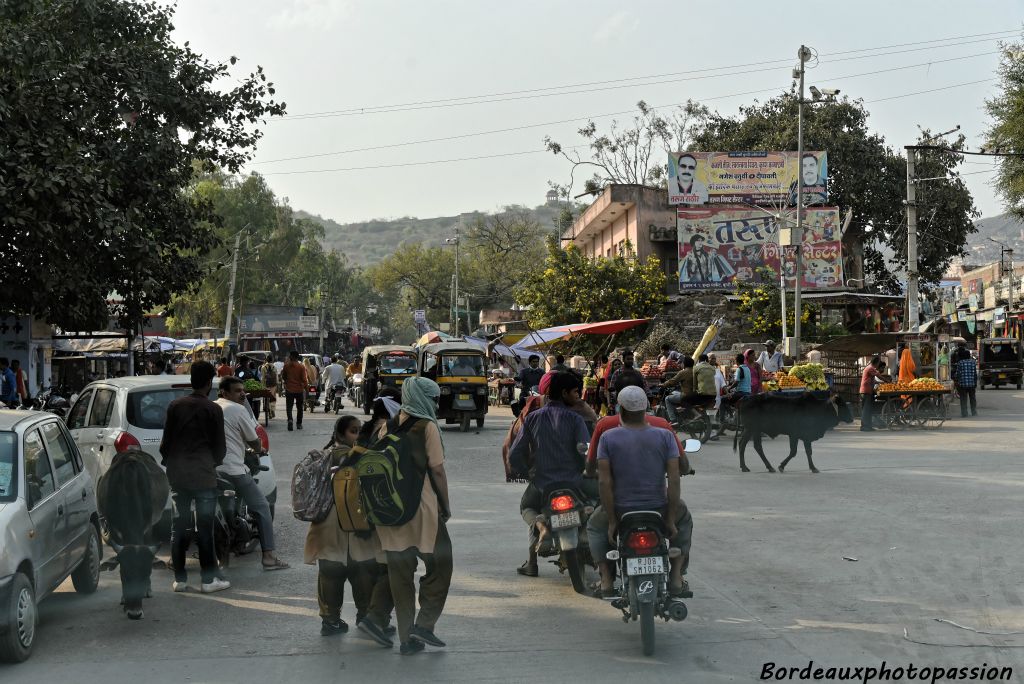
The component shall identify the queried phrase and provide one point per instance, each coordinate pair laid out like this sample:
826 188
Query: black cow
131 497
803 417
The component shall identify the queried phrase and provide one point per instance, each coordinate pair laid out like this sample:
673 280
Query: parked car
110 416
49 527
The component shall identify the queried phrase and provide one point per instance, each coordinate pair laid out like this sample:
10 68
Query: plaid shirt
966 373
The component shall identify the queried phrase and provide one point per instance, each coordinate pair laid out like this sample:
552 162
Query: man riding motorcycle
548 448
633 461
333 379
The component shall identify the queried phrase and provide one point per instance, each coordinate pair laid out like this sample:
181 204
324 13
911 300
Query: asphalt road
851 567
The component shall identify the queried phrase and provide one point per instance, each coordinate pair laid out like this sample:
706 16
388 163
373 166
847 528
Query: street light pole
804 55
455 241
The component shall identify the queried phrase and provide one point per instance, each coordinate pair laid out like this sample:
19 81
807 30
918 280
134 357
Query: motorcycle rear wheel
647 628
574 564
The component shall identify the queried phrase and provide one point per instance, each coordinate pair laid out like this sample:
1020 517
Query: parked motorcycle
564 534
643 556
52 400
334 398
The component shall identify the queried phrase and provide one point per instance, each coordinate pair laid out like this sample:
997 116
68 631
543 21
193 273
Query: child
341 555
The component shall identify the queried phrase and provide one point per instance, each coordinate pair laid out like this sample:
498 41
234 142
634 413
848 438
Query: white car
111 416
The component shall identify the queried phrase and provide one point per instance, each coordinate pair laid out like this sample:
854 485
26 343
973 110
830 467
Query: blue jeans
206 505
672 403
258 504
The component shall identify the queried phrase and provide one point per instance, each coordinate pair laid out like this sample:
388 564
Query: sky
356 58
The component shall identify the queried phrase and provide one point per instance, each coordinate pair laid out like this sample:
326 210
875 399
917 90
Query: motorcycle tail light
563 503
261 432
642 542
126 441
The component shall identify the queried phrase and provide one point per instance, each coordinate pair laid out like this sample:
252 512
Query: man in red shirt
867 393
294 377
224 370
609 422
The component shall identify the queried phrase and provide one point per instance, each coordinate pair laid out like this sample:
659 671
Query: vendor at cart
770 360
867 392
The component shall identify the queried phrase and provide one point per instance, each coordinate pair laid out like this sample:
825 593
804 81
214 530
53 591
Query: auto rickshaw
1000 362
460 369
385 366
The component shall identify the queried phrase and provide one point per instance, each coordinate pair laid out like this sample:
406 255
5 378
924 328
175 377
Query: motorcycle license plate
563 520
465 397
650 565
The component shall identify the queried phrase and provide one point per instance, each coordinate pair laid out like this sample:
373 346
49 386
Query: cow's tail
130 512
735 440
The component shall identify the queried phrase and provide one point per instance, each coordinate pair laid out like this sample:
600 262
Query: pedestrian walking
426 535
192 447
347 556
294 377
21 382
269 373
965 375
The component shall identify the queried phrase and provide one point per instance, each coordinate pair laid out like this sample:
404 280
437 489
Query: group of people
13 383
380 564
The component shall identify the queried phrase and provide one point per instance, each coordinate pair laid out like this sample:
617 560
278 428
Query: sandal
528 570
278 564
681 592
605 594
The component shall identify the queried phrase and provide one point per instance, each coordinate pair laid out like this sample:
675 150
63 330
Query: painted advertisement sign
696 178
720 245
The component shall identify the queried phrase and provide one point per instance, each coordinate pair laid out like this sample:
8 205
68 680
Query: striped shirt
548 443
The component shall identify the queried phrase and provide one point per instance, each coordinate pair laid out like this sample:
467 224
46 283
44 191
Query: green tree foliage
865 175
761 306
572 288
101 118
1006 133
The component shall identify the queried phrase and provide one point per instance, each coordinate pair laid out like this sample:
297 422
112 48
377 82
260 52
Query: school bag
348 501
312 491
269 375
391 476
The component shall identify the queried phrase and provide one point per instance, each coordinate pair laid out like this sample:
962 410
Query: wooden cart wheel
892 414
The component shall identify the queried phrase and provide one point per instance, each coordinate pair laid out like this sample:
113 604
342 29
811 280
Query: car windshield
397 363
1001 352
8 466
462 365
147 409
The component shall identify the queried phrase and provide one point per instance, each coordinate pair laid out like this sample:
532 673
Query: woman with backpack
425 536
341 555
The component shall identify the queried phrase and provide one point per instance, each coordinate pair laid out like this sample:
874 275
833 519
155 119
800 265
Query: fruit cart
803 377
500 391
918 404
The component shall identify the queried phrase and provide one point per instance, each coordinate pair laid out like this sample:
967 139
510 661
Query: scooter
643 556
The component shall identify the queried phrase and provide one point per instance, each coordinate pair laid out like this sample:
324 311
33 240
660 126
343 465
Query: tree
101 119
1006 133
499 252
864 175
572 288
761 306
420 277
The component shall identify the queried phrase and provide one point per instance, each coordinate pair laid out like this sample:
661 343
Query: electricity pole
911 322
804 55
455 241
231 288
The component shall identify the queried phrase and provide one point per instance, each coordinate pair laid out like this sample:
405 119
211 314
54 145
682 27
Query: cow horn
153 549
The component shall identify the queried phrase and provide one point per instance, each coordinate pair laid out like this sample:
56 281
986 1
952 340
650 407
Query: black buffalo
131 497
804 418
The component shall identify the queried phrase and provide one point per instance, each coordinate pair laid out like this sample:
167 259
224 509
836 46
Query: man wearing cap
770 360
550 449
632 462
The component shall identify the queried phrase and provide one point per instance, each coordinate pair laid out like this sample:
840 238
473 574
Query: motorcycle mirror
582 448
612 555
692 446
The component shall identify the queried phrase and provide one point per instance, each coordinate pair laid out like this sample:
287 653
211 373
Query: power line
933 90
534 93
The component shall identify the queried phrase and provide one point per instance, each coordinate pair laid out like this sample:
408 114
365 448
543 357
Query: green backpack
390 479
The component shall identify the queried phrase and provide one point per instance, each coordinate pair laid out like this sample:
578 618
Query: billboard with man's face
720 245
697 178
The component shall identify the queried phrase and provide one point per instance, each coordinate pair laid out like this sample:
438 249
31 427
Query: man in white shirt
334 374
770 360
239 433
719 387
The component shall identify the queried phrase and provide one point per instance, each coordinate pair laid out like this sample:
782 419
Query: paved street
850 567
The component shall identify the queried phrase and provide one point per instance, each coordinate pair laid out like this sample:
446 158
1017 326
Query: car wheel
86 576
22 618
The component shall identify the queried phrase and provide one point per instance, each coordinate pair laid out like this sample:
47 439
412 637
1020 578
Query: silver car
49 527
111 416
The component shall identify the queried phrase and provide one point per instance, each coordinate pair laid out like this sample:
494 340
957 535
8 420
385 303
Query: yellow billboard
696 178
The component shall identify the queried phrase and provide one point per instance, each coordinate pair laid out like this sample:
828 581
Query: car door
76 488
46 513
100 433
77 421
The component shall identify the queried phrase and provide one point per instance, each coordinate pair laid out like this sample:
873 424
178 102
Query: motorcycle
643 557
312 397
564 533
334 398
693 421
355 389
235 528
52 400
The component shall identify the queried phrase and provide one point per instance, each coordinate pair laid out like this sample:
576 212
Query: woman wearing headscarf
426 535
907 366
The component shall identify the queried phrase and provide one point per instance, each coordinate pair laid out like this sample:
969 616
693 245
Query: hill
1003 228
369 242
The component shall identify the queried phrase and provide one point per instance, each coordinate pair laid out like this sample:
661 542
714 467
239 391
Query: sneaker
179 586
411 647
422 634
370 629
216 585
332 627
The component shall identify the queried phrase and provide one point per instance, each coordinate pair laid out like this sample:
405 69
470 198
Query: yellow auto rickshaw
385 366
460 369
